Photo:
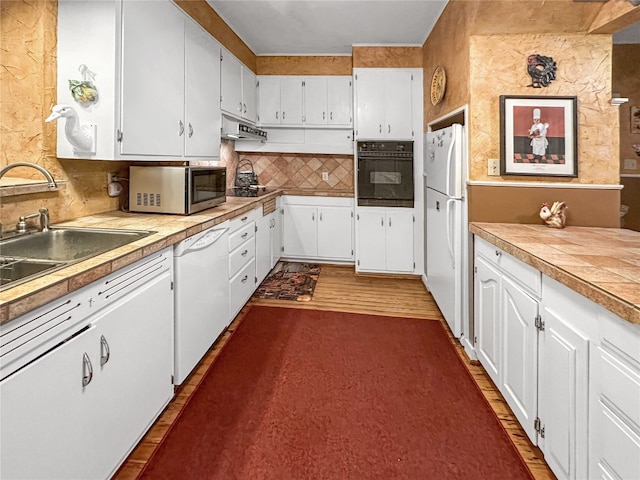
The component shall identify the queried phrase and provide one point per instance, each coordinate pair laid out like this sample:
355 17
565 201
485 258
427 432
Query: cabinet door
269 100
300 231
249 94
399 248
564 394
519 356
291 100
371 240
202 93
263 246
397 105
46 409
487 320
339 100
276 237
231 84
134 364
335 225
315 101
152 100
369 104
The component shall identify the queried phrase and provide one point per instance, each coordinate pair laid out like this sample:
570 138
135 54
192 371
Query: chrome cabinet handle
181 129
330 115
323 116
389 129
382 221
105 352
87 370
276 115
190 130
313 216
498 253
244 219
244 253
283 112
389 221
244 108
240 106
380 128
244 235
244 279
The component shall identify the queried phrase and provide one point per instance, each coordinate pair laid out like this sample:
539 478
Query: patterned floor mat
290 281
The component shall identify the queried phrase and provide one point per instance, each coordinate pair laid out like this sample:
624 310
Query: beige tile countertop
602 264
170 229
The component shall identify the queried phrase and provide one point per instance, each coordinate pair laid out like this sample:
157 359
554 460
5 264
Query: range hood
237 130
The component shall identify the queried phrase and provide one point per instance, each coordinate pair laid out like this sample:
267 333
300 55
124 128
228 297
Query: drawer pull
498 253
244 253
244 235
244 219
105 353
244 279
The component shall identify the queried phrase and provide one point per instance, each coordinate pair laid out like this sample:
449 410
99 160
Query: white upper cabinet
202 78
238 96
280 100
157 77
383 102
327 100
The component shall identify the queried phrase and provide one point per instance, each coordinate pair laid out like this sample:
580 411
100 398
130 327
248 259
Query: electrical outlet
493 166
111 177
630 164
325 176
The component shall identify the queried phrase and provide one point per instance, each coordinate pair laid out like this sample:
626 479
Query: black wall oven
385 173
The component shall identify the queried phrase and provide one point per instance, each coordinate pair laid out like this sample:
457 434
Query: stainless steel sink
31 254
16 269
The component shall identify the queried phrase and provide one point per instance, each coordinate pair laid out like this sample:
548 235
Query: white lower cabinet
568 368
318 228
79 409
268 239
384 240
242 260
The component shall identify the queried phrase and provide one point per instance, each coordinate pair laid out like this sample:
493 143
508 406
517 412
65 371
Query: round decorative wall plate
438 85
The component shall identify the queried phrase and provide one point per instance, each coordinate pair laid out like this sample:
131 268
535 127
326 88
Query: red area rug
310 395
290 281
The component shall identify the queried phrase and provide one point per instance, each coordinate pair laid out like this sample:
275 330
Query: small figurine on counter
554 216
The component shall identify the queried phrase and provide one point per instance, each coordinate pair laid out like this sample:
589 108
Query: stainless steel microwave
180 190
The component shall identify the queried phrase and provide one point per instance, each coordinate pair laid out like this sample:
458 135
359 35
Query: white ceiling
327 27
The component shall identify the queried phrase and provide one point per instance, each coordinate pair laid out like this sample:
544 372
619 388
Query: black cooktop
248 191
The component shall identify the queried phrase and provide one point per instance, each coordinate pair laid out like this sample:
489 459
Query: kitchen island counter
602 264
170 229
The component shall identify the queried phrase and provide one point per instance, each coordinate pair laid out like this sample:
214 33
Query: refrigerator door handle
450 160
449 228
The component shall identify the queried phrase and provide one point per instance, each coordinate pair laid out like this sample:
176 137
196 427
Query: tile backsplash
293 170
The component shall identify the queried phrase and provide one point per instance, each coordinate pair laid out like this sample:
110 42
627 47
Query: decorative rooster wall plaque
554 216
81 137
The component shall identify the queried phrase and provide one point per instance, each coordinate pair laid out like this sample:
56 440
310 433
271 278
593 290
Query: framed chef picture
538 136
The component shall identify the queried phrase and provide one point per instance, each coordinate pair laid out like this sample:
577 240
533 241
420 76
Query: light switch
493 167
325 176
630 164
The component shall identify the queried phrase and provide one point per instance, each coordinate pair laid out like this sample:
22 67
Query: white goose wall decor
81 137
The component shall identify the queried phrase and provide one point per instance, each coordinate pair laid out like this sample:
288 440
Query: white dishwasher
201 272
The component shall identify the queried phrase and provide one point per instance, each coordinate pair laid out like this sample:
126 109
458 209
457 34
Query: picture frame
546 148
635 119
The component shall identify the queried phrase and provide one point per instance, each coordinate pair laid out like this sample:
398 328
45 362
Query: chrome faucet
44 171
43 213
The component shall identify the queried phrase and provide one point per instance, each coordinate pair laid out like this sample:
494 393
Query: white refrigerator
446 230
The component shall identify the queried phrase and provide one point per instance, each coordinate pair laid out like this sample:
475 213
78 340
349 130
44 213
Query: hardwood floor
340 289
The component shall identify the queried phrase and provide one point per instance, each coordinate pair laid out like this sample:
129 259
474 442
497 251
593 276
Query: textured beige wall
304 65
584 70
28 91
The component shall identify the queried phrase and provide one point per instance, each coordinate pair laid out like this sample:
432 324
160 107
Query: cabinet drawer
241 235
241 255
525 275
244 219
241 287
